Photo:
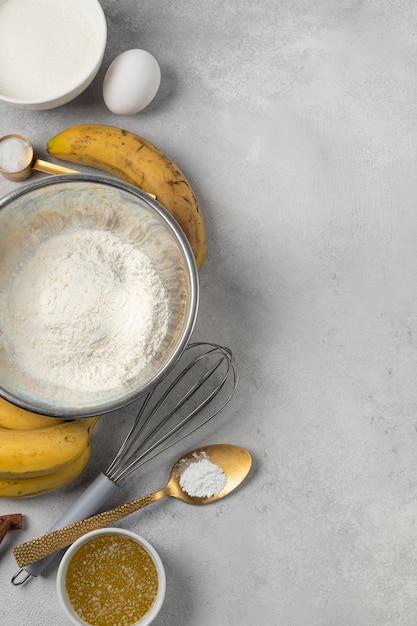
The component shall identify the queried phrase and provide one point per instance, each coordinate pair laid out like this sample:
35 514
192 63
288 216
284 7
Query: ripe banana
29 453
37 485
140 163
15 418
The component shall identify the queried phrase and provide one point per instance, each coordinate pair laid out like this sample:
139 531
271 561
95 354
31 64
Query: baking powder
87 311
201 478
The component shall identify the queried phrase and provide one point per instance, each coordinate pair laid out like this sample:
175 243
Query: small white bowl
29 59
69 611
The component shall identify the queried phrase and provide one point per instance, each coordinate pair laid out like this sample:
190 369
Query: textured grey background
295 122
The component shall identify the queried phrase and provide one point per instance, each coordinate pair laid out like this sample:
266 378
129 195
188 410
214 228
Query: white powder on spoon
86 311
200 477
46 47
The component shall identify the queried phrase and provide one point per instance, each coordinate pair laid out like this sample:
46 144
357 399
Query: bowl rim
64 563
73 91
189 261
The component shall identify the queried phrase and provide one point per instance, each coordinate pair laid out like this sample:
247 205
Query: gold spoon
29 163
233 460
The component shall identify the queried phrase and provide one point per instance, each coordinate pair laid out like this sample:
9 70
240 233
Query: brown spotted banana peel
38 485
31 453
138 162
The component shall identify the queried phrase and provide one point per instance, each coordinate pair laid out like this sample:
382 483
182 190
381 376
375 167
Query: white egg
131 82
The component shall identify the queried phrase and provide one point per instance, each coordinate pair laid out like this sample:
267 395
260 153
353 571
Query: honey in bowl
112 578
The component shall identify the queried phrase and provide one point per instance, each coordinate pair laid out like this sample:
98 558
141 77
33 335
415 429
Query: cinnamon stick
9 522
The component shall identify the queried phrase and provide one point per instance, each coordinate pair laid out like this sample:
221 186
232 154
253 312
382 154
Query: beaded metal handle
43 546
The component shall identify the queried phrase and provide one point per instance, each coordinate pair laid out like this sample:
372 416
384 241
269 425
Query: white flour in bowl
87 311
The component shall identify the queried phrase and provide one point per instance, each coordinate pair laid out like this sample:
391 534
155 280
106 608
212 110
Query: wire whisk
170 412
210 371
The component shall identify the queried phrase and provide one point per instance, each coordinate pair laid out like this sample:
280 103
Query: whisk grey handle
86 505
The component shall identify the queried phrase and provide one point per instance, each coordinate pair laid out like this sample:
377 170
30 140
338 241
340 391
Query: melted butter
112 581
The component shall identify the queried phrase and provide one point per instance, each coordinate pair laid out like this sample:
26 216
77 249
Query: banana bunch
140 163
39 453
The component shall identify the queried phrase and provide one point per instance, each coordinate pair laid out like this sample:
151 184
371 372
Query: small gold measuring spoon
233 460
28 163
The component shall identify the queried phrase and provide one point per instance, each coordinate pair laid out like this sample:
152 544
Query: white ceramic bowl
62 592
66 81
35 217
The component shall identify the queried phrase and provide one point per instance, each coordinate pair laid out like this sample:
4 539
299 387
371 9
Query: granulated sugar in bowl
98 295
50 50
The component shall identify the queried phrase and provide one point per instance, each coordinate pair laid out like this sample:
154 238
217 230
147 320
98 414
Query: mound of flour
87 311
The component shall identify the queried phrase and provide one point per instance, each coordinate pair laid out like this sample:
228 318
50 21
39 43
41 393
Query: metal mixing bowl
51 206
